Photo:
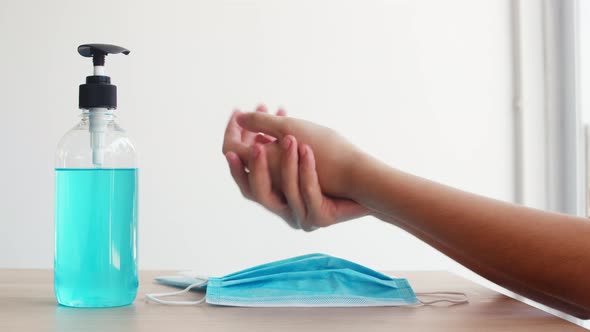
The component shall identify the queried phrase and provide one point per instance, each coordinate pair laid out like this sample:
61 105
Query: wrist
363 168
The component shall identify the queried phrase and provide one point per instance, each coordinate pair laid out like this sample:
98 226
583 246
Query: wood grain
27 303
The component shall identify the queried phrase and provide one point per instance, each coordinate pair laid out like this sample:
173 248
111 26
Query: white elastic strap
463 297
154 296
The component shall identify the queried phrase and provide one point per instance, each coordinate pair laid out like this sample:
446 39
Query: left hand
301 203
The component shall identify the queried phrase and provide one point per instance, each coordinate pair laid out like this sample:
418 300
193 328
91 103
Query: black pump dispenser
98 92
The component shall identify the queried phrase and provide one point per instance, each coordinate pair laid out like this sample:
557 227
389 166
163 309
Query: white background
425 85
584 21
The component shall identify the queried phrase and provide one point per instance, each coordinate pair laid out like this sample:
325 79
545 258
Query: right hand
336 158
302 204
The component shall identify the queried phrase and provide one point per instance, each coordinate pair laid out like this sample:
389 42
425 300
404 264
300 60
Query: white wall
584 58
425 85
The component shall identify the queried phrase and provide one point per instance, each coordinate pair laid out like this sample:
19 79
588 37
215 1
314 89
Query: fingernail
286 143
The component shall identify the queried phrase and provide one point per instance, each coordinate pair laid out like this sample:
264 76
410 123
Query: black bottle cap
98 92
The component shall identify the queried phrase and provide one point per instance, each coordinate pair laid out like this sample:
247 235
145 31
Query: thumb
263 123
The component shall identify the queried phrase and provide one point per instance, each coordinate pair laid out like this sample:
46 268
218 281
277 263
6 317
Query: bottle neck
99 120
103 113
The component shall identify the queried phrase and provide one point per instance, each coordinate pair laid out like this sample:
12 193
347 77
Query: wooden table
27 303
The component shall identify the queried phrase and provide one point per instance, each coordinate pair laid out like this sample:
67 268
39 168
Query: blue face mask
315 280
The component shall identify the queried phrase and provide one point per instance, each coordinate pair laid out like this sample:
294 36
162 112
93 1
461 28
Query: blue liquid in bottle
96 237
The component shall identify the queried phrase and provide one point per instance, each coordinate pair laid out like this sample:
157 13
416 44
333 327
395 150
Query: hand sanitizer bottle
95 263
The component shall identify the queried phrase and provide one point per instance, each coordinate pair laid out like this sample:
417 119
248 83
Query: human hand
241 140
336 158
301 203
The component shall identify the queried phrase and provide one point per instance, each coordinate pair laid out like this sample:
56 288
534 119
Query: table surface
27 303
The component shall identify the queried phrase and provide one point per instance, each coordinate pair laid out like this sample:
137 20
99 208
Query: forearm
541 255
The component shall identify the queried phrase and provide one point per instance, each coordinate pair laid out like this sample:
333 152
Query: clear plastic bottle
96 179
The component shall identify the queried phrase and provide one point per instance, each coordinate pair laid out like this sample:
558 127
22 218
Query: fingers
250 136
233 132
263 139
238 140
233 129
261 185
260 137
322 210
262 122
262 108
290 178
310 188
237 171
232 140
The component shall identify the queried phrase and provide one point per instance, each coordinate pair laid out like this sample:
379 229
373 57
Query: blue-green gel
96 237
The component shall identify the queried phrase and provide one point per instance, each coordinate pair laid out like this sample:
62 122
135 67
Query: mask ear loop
154 296
447 299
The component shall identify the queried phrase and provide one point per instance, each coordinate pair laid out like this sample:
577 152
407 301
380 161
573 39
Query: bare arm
541 255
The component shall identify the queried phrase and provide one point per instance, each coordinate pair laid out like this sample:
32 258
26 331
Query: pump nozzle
98 95
98 52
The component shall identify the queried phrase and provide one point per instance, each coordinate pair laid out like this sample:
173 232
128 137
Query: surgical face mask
315 280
